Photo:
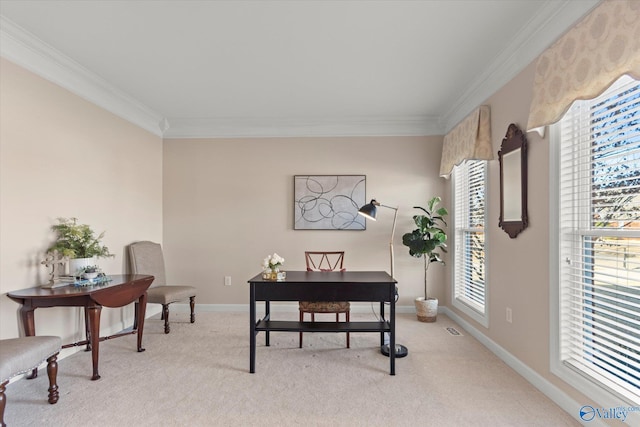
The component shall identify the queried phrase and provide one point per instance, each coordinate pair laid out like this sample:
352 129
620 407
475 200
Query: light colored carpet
198 375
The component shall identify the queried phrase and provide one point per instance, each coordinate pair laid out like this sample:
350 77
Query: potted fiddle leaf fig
79 243
427 241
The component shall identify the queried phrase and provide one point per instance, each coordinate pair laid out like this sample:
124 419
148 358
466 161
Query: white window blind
599 226
469 271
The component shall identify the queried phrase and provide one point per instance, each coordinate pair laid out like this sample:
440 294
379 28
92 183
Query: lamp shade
369 210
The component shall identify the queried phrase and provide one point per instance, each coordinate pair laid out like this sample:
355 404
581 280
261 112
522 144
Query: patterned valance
469 140
587 60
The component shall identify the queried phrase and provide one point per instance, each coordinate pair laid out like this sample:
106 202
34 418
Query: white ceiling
284 68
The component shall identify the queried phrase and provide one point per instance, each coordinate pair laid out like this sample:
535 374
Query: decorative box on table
276 276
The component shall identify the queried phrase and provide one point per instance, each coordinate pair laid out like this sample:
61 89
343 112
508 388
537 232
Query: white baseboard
563 400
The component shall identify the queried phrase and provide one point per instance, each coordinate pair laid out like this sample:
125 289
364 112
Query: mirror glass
512 186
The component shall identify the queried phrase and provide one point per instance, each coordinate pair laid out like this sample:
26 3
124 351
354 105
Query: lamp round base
401 351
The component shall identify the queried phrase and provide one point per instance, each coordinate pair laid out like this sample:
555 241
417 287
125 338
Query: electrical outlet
509 315
227 280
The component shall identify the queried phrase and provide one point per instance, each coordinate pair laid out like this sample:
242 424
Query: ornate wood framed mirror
513 182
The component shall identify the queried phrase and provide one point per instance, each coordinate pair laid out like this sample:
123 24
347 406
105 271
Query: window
469 290
598 254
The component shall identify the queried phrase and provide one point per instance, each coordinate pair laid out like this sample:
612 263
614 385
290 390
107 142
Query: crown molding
542 30
26 50
305 127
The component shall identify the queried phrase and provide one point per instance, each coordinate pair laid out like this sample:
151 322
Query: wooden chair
146 258
21 355
324 261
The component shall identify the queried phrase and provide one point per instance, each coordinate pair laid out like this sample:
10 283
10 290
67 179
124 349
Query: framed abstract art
328 202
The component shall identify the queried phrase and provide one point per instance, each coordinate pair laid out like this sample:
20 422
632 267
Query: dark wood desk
120 291
376 286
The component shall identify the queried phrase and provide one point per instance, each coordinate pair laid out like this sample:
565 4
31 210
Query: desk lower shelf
292 326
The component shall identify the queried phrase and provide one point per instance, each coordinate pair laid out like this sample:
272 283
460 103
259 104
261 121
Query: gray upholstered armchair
146 258
21 355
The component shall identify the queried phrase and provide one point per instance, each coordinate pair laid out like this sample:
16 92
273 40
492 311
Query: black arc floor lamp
369 211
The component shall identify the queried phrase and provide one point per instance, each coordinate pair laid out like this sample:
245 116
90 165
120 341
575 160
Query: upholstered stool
20 355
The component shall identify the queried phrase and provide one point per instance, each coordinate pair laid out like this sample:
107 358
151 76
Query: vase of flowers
271 266
79 243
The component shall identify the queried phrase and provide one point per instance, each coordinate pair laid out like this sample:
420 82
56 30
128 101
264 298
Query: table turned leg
29 326
140 312
87 330
93 311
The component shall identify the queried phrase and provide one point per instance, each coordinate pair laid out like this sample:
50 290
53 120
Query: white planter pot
427 310
76 264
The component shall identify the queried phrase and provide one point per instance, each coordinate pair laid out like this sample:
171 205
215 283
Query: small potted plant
426 242
90 272
79 243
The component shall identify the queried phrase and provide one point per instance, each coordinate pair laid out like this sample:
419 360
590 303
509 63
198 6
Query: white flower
272 262
277 259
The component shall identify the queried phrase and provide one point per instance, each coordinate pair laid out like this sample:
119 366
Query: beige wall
220 205
229 202
518 269
61 156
